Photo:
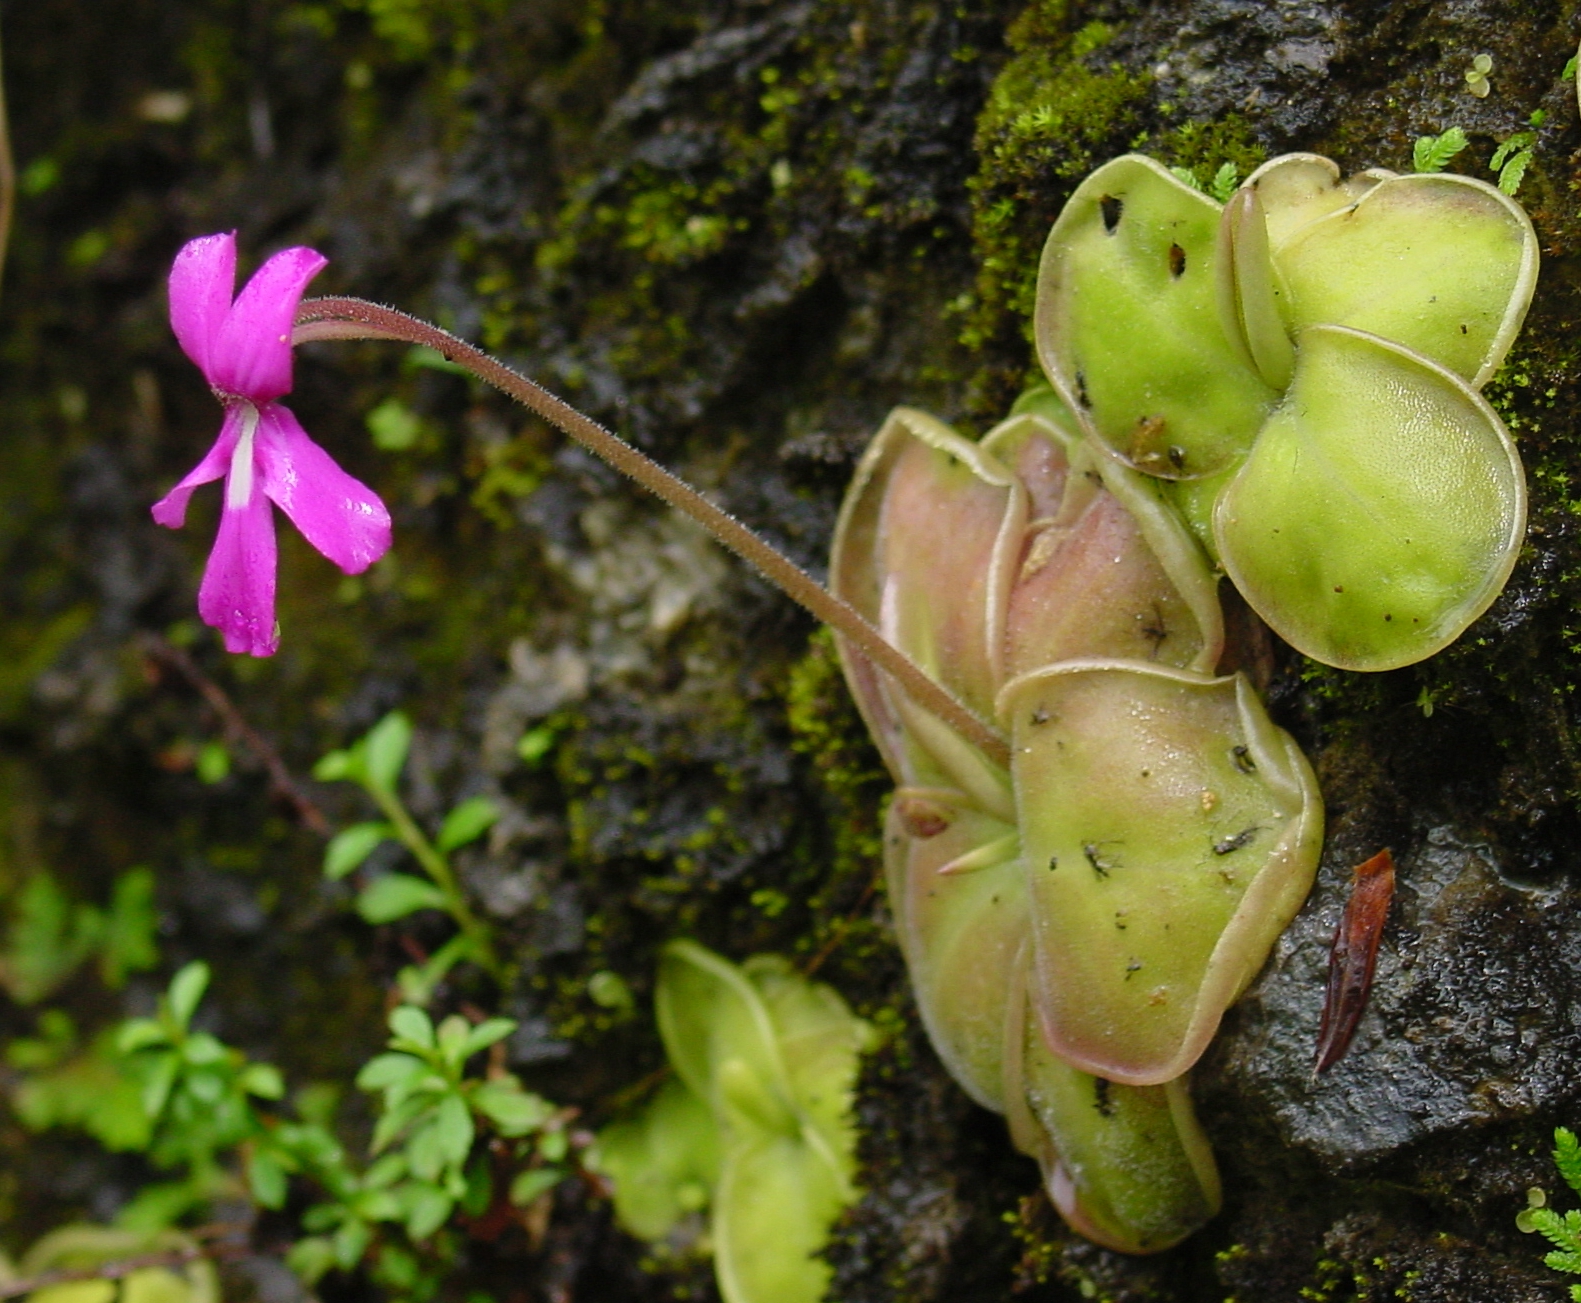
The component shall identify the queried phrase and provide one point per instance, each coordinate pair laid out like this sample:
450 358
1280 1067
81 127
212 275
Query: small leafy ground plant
1563 1230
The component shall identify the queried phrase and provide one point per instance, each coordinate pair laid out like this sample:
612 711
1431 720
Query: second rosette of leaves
756 1124
1075 923
1302 368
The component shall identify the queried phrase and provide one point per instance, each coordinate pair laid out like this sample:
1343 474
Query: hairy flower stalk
350 318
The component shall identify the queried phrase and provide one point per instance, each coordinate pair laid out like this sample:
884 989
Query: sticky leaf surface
1381 510
1128 326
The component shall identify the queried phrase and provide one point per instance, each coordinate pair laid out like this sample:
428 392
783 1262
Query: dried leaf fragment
1353 956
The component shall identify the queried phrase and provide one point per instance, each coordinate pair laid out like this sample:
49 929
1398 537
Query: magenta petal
251 355
171 510
237 593
202 281
340 516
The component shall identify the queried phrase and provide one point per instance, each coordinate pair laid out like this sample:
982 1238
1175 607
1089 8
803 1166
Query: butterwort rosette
756 1122
243 348
1302 366
1075 924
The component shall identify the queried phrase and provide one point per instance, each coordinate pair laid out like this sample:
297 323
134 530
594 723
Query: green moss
826 728
1055 111
1203 148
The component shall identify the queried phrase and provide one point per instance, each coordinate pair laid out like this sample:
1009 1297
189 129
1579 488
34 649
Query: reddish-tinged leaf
1352 957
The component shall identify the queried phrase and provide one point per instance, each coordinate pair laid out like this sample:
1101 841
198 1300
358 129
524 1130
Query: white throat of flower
239 483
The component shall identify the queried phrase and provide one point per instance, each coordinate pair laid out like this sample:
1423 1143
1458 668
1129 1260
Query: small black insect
1053 863
1177 261
1104 1104
1242 838
1100 866
1177 456
1111 208
1243 760
1081 390
1155 630
1040 715
1135 966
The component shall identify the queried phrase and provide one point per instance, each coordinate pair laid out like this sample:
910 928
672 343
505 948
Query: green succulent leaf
710 1014
1105 568
1169 832
923 548
962 930
773 1120
1443 265
1127 1166
1381 511
1297 189
819 1042
664 1162
1251 297
773 1208
1133 257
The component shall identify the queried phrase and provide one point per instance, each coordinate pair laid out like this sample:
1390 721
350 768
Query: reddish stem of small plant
237 729
347 318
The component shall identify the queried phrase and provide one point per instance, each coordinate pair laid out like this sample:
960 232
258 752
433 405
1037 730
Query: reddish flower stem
347 318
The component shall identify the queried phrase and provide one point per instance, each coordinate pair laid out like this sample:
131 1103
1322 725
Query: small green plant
443 1141
51 936
1563 1231
755 1126
374 763
1221 187
429 1159
1514 155
199 1097
1435 153
1477 76
172 1270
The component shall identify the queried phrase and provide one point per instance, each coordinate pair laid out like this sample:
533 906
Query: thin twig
347 318
281 785
122 1267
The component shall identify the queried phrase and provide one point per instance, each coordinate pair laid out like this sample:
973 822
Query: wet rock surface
739 232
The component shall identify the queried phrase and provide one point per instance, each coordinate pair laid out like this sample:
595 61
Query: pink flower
244 351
